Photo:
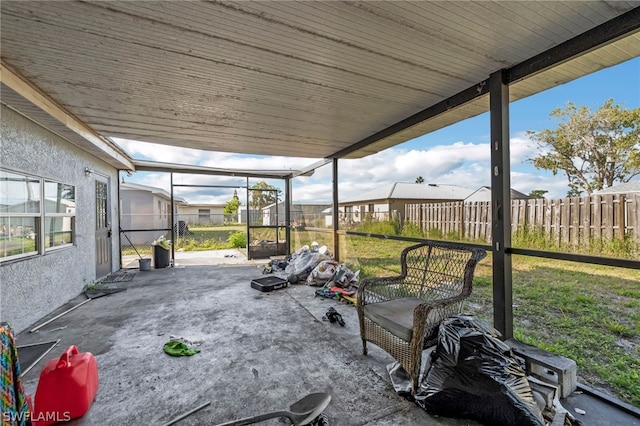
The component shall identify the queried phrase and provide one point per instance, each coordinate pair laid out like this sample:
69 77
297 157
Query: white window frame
39 218
71 215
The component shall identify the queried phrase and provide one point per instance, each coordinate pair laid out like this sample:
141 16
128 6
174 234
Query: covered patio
260 352
324 81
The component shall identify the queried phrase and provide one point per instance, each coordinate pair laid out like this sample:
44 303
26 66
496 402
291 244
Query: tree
594 149
262 194
232 206
538 193
420 179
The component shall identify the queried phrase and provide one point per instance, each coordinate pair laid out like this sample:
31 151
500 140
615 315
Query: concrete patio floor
260 352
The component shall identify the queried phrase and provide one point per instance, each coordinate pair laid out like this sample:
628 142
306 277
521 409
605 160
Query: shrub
238 239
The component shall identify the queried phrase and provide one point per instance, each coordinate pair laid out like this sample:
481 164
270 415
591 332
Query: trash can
161 257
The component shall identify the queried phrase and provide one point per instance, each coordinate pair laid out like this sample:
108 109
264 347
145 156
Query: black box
269 283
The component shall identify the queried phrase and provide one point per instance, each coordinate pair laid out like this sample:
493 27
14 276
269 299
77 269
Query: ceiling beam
155 166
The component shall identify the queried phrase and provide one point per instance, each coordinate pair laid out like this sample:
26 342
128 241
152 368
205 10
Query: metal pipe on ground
58 316
40 357
188 413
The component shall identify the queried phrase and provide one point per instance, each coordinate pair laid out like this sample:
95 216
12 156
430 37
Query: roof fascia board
28 91
365 200
605 33
153 166
608 32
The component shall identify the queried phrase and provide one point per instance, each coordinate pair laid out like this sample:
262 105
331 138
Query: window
35 215
348 213
59 214
19 215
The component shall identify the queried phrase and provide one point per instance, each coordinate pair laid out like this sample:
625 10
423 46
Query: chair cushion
395 316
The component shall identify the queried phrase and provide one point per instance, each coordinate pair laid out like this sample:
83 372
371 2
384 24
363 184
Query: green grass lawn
589 313
208 238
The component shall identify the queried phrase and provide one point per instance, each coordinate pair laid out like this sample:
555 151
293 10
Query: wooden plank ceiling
306 79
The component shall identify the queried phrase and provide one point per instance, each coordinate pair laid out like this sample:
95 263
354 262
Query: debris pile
471 373
312 264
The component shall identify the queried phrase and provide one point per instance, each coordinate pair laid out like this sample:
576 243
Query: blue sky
457 154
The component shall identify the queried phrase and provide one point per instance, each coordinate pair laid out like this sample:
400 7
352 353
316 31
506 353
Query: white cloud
521 149
461 163
172 154
527 182
398 165
162 153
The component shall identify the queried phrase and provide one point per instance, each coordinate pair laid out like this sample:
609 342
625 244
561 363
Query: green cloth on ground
178 348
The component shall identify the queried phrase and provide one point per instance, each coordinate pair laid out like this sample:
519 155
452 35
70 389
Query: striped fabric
14 410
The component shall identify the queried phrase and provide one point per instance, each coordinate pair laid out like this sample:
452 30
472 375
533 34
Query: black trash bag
474 374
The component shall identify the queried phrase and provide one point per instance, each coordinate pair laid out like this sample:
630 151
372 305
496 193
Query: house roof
130 186
484 194
314 79
295 204
412 191
330 210
621 188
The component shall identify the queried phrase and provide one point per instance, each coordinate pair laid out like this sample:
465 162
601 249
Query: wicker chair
402 314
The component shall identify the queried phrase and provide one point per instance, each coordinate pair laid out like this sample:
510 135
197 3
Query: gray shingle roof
413 191
484 194
130 186
621 188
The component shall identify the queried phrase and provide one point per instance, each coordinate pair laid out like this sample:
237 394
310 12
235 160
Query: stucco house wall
33 287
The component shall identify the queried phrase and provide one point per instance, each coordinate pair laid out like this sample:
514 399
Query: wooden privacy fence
573 220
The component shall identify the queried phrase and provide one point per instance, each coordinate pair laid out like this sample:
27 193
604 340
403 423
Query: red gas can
66 388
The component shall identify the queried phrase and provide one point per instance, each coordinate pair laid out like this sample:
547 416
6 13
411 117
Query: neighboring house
58 212
622 188
254 215
390 200
201 214
328 216
484 194
302 214
145 211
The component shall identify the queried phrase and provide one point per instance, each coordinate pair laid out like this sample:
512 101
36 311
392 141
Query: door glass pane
101 205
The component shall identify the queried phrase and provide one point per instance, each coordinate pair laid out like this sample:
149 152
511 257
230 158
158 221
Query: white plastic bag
304 263
322 273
